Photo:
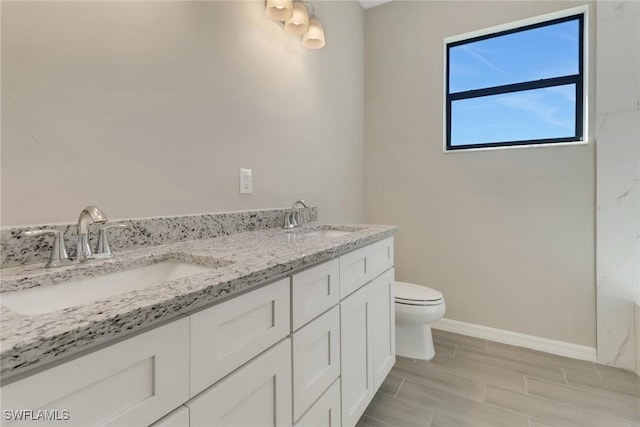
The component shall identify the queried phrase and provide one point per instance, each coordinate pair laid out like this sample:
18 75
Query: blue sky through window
541 113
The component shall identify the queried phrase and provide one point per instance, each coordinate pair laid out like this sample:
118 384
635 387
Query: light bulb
279 10
314 38
298 24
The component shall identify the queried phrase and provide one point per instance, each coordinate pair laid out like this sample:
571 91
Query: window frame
580 80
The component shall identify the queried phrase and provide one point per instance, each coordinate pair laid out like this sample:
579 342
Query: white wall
508 235
618 188
150 108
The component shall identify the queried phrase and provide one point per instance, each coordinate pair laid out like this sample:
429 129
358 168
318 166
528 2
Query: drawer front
314 291
316 359
258 394
177 418
362 265
132 383
227 335
326 411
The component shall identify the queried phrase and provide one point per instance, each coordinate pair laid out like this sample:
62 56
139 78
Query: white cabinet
258 394
384 325
326 411
357 353
367 342
131 383
362 265
177 418
310 349
227 335
314 291
316 359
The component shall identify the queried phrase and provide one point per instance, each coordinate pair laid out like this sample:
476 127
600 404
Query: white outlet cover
246 181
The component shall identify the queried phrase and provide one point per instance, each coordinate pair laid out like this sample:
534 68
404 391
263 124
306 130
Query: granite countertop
240 262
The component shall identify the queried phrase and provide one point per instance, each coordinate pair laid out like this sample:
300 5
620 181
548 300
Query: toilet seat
412 294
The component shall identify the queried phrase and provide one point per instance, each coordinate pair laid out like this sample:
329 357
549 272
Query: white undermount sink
326 231
46 299
327 234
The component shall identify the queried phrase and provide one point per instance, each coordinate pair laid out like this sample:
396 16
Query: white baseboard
560 348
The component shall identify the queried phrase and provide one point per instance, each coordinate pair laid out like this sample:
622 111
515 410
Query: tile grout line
547 399
376 419
563 403
605 393
433 415
398 391
502 408
597 370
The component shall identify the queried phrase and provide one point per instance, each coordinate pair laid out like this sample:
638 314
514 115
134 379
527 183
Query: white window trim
584 9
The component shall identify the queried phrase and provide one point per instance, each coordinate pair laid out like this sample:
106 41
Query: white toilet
416 308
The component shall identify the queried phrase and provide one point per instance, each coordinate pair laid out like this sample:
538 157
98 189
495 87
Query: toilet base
414 341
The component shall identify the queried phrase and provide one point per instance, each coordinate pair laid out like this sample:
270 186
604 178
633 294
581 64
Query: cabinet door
227 335
316 359
356 355
326 411
313 292
384 329
130 383
258 394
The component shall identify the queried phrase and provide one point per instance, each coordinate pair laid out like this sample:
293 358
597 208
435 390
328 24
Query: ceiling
368 4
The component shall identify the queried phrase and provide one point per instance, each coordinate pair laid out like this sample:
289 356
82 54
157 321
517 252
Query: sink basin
46 299
327 234
325 231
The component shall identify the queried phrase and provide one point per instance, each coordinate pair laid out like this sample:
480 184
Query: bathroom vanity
282 328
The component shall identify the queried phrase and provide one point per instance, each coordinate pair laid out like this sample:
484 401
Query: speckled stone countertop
242 261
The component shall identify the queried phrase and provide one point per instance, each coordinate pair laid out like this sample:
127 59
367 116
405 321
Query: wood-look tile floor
480 383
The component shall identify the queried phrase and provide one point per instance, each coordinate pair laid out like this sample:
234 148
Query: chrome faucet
292 218
90 214
58 257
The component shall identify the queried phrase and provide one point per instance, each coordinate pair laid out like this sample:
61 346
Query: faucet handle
103 249
59 256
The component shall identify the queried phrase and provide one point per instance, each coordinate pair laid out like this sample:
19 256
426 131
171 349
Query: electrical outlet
246 181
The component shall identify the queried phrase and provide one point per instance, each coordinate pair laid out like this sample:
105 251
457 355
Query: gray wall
151 108
506 235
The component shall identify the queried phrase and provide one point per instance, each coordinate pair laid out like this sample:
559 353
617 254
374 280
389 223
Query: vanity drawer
131 383
227 335
256 395
314 291
364 264
326 411
316 359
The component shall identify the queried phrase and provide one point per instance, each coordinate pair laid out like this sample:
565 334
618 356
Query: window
518 86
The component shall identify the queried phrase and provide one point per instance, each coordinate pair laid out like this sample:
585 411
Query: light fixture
279 10
314 38
298 24
295 19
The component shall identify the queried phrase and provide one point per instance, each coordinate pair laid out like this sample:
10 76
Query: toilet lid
410 293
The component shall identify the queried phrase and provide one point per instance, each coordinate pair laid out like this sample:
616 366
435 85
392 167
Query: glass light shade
314 38
298 24
279 10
